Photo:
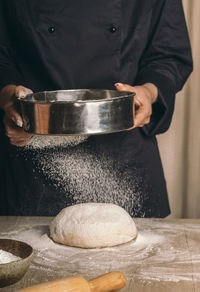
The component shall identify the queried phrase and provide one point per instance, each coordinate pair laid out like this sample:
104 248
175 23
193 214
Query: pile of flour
7 257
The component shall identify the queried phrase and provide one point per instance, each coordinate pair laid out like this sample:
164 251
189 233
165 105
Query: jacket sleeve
166 62
8 69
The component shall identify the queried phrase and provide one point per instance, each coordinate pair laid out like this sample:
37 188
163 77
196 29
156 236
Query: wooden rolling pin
106 283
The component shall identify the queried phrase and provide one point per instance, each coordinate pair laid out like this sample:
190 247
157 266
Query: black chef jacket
62 44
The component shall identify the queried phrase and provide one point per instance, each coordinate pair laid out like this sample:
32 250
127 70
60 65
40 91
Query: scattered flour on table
52 256
7 257
156 255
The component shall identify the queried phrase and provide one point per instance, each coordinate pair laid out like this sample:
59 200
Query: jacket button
113 29
51 29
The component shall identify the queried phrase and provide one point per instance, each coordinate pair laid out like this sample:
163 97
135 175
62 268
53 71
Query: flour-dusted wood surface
164 257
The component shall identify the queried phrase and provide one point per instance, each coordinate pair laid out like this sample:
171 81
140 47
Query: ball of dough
93 225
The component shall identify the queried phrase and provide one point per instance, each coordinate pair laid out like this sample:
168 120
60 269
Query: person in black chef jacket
138 45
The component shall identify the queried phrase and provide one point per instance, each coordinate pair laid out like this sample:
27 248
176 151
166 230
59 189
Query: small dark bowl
12 272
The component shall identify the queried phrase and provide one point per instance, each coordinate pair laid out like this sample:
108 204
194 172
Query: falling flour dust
84 175
41 142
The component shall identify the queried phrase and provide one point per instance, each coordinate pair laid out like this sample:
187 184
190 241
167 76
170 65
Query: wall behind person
180 146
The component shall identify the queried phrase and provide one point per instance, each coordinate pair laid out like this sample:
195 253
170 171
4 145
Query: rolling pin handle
113 281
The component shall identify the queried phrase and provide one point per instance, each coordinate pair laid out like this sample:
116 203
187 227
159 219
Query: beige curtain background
180 146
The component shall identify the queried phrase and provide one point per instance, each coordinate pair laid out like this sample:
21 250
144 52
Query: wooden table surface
164 257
